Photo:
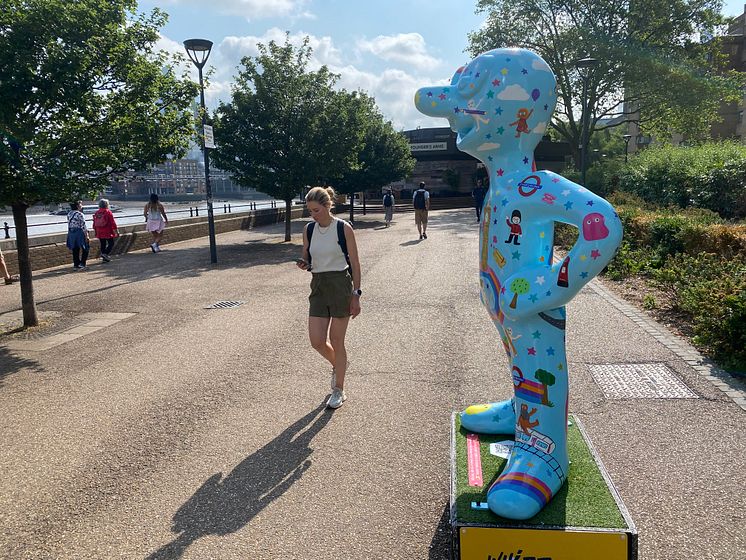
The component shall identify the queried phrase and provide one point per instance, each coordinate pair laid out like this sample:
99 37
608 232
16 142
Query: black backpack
341 239
419 199
388 200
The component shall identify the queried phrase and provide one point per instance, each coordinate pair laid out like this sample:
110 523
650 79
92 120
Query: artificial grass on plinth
583 501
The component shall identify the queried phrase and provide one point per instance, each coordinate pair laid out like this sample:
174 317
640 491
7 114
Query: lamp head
198 50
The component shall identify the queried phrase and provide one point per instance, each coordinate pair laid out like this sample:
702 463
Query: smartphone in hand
303 264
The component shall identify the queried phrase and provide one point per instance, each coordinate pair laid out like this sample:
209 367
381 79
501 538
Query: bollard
7 230
191 212
225 209
229 208
196 211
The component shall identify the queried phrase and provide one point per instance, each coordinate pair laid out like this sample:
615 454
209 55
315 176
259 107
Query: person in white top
335 286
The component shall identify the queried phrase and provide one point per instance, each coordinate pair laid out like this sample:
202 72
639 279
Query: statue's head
499 104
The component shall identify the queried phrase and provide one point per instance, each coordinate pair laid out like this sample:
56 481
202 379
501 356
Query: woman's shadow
223 505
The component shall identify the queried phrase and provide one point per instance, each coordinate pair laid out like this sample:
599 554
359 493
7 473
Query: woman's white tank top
326 254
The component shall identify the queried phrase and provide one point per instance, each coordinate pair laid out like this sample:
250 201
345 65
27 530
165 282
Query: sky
388 48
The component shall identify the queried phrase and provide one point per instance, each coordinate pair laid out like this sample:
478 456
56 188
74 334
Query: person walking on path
156 221
77 235
105 227
388 207
4 269
421 202
478 194
330 252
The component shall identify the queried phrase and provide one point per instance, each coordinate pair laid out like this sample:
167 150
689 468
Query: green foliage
648 57
710 176
286 127
384 156
83 96
712 290
452 178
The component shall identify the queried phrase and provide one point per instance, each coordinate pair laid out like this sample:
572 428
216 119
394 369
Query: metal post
583 131
208 189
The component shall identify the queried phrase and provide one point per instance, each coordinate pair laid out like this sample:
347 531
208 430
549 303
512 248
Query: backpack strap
309 233
342 240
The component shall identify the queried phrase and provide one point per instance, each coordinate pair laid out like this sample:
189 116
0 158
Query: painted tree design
519 286
547 379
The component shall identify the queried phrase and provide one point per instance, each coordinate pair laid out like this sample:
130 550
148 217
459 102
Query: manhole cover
640 381
224 305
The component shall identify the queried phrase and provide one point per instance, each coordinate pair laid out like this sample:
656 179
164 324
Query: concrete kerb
728 385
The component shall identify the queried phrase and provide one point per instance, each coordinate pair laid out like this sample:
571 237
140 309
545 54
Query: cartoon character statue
524 288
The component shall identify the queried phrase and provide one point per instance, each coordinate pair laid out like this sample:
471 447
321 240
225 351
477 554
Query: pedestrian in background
388 207
479 194
77 235
105 227
4 269
156 221
330 252
421 202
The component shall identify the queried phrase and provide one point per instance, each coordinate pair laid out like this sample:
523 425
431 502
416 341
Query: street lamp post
627 138
585 68
198 51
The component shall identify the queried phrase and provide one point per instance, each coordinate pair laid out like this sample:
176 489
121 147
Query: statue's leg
538 463
497 417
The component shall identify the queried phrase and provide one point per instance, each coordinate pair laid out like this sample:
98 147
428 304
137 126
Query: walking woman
77 235
105 227
335 285
156 221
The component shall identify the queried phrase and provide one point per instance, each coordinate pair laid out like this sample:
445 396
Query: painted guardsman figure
522 286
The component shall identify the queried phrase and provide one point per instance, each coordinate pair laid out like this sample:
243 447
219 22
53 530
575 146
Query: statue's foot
493 418
526 485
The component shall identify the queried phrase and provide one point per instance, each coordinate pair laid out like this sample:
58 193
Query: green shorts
331 293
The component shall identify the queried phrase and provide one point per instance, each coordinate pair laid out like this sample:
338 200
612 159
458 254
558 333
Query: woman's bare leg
318 327
337 333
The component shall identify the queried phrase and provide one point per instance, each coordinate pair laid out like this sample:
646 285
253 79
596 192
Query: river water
41 222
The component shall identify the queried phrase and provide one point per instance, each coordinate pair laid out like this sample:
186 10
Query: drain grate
224 305
640 381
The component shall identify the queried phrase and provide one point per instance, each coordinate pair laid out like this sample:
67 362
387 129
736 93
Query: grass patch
584 501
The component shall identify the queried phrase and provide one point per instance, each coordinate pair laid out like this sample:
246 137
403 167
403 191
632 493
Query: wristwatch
357 292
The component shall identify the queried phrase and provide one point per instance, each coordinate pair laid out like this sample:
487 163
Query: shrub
712 291
711 176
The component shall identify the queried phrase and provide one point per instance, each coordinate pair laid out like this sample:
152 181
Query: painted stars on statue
595 253
532 351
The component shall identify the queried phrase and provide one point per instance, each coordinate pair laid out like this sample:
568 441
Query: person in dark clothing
478 194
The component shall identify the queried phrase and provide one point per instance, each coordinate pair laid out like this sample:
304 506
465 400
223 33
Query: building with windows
447 171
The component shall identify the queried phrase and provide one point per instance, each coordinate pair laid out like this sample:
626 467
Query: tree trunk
363 195
288 218
352 208
30 318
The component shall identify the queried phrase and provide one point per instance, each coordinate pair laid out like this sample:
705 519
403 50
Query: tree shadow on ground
10 364
226 504
440 546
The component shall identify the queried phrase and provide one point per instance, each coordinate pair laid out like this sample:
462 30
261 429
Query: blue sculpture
500 105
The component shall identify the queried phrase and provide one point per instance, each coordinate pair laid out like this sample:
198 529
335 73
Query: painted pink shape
474 460
594 227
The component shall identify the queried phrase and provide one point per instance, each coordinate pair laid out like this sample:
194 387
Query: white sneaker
157 248
153 247
337 398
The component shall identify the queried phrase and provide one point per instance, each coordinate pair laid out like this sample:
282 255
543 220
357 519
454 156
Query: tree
384 156
452 178
285 128
519 287
652 68
547 380
83 96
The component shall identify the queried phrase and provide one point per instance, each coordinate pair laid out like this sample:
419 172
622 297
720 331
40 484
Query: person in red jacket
106 228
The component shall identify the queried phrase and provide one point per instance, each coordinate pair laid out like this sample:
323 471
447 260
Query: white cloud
488 146
253 9
513 93
538 64
540 128
408 48
232 48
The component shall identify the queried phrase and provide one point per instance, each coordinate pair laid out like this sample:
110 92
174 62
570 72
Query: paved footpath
182 432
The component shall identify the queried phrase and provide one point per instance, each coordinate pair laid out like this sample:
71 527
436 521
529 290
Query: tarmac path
183 432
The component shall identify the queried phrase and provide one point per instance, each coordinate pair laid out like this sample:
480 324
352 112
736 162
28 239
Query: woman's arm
355 265
145 212
162 210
